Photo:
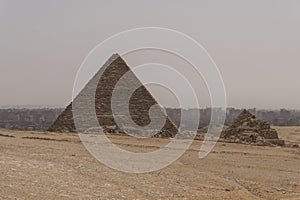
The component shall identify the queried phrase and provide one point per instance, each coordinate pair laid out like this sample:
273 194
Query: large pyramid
247 129
140 102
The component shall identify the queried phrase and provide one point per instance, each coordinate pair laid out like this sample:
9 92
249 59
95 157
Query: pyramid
105 81
247 129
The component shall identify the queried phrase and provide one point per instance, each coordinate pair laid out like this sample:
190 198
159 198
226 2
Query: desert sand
38 165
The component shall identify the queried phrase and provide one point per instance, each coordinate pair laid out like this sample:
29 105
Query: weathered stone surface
139 104
247 129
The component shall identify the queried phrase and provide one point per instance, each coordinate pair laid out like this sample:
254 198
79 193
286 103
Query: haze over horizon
255 45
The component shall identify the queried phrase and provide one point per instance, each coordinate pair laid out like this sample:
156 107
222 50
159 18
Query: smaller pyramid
247 129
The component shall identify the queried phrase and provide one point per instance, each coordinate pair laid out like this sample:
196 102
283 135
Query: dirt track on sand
36 165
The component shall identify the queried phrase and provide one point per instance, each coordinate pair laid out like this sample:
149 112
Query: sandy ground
291 134
35 165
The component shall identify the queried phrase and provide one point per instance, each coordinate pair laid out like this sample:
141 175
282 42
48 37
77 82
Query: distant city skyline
255 44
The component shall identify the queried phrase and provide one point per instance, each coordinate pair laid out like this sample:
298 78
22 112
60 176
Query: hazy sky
255 44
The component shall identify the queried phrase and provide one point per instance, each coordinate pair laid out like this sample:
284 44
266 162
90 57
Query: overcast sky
255 44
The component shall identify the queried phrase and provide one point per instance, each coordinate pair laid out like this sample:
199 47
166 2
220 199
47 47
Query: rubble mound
247 129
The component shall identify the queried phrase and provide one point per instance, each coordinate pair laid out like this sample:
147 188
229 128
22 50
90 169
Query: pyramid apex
245 114
245 111
114 56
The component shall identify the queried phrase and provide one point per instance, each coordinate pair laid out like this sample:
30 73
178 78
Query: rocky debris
104 82
247 129
293 145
